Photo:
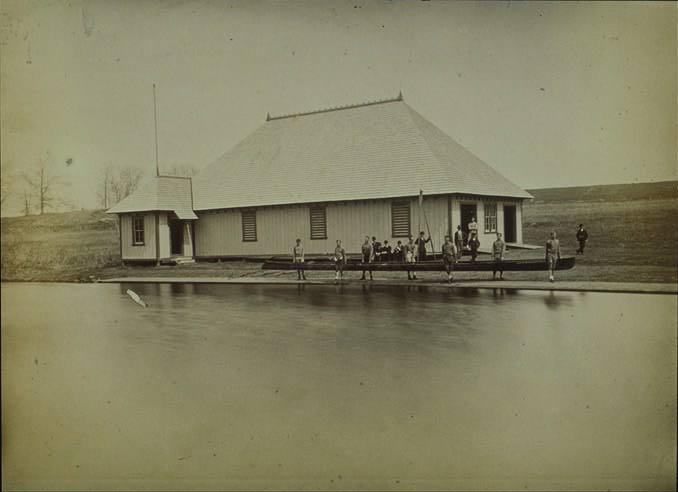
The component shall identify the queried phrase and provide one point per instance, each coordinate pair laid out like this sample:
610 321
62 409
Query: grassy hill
633 236
661 190
58 246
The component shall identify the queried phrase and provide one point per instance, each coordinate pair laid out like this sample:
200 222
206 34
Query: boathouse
339 173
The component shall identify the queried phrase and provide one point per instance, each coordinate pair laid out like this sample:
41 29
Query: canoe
527 265
136 298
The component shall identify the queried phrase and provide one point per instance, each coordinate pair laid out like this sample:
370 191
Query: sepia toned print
339 245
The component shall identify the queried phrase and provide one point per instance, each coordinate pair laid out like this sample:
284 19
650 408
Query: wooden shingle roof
369 151
159 193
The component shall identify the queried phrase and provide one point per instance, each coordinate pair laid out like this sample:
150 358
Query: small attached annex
340 173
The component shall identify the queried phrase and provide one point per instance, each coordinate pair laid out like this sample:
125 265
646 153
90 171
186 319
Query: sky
549 94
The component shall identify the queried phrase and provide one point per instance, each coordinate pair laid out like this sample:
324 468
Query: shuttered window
318 222
249 225
490 217
138 230
400 219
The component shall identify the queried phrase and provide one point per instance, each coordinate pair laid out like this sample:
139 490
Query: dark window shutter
400 219
249 225
318 222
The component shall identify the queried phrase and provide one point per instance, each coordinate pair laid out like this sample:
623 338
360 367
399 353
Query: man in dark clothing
385 253
376 249
421 246
398 254
582 237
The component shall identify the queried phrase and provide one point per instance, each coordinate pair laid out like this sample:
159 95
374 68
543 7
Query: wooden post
157 239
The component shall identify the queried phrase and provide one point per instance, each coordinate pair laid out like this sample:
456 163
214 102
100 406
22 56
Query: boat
524 265
136 298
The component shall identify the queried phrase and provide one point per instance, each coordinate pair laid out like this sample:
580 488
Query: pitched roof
159 193
369 151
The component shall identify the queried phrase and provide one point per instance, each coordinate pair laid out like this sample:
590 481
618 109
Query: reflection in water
254 386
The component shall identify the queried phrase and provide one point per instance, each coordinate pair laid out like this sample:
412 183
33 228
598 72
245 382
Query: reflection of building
340 173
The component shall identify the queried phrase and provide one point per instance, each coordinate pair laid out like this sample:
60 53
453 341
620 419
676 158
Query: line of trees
45 189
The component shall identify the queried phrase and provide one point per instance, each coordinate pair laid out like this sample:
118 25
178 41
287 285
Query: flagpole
155 120
421 207
421 200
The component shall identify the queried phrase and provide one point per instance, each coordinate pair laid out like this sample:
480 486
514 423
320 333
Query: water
330 387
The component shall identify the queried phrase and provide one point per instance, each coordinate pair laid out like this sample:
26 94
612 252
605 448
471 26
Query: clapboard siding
146 251
219 233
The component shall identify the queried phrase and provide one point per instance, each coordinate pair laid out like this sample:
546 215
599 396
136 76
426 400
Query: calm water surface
331 387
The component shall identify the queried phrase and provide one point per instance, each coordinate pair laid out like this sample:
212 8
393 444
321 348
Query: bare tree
26 210
43 184
122 183
104 186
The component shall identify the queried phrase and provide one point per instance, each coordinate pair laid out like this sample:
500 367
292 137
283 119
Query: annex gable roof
159 193
369 151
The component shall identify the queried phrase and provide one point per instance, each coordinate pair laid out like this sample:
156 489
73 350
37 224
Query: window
400 219
249 225
490 217
138 230
318 222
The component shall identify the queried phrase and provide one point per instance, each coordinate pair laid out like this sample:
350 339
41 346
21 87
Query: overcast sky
549 94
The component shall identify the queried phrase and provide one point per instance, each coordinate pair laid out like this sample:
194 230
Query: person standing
474 244
459 241
498 252
552 254
582 237
409 249
339 261
421 246
368 255
385 254
298 259
449 257
472 226
398 252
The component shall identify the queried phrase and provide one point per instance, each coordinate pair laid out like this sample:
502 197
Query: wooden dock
564 286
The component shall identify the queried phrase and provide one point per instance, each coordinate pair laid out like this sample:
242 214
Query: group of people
415 250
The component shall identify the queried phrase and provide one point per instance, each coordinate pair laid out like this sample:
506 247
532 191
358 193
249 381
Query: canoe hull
425 266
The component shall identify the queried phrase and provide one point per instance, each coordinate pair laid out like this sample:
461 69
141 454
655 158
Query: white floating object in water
136 298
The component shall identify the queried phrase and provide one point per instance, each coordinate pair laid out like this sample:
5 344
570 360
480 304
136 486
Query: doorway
468 212
510 223
176 237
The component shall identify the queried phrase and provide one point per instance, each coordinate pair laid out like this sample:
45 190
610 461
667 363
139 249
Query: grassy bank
631 239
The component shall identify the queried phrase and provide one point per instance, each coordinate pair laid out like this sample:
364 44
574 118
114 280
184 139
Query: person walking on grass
421 246
474 244
449 257
368 255
498 252
552 254
410 250
298 259
339 261
582 237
